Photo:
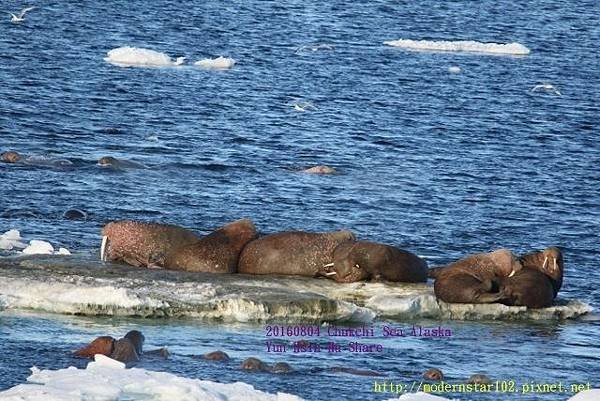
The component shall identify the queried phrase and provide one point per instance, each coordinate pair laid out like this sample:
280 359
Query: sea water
441 163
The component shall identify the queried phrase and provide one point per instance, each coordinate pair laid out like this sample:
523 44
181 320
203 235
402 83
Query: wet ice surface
82 285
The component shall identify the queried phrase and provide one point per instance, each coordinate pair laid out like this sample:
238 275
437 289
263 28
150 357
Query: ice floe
105 379
470 46
139 57
11 240
76 284
587 395
219 63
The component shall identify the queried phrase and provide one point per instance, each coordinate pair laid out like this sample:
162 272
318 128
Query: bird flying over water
21 17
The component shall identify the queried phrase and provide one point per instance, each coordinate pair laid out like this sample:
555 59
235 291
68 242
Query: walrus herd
531 280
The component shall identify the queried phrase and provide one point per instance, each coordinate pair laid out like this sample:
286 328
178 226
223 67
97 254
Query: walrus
125 351
218 252
291 253
538 283
362 260
102 345
113 162
255 364
10 157
433 374
142 244
475 278
320 170
216 356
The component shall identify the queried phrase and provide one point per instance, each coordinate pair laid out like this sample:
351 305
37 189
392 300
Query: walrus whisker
103 248
545 263
330 273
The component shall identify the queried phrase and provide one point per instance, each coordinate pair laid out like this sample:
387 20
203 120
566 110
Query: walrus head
549 261
349 263
107 161
137 339
505 262
10 157
102 345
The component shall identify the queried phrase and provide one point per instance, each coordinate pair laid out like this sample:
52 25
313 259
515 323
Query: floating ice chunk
219 63
103 380
139 57
37 247
11 239
62 251
470 46
104 361
587 395
454 70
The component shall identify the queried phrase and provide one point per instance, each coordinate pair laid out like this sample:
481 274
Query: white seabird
21 17
546 88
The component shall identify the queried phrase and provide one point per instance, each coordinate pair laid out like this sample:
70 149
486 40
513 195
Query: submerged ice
219 63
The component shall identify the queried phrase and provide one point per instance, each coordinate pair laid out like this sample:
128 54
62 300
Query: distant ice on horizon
469 46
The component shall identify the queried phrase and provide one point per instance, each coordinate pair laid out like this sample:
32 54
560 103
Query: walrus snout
10 157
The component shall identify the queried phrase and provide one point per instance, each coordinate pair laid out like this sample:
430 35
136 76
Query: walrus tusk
330 273
555 264
512 273
545 263
103 248
328 265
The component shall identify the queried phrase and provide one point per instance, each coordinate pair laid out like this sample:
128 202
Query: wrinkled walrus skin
218 252
291 253
538 283
475 278
362 260
143 244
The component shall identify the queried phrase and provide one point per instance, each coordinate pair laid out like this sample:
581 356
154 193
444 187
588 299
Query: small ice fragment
62 251
454 69
219 63
11 239
37 247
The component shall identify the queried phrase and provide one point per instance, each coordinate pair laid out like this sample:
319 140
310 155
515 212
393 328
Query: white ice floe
75 297
454 70
39 247
587 395
77 285
11 240
470 46
105 380
548 88
139 57
219 63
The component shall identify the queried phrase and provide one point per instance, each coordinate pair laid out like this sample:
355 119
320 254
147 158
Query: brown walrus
10 157
475 278
102 345
538 283
128 349
142 244
362 260
292 253
218 252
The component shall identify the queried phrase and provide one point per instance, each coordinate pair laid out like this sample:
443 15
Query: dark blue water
441 164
